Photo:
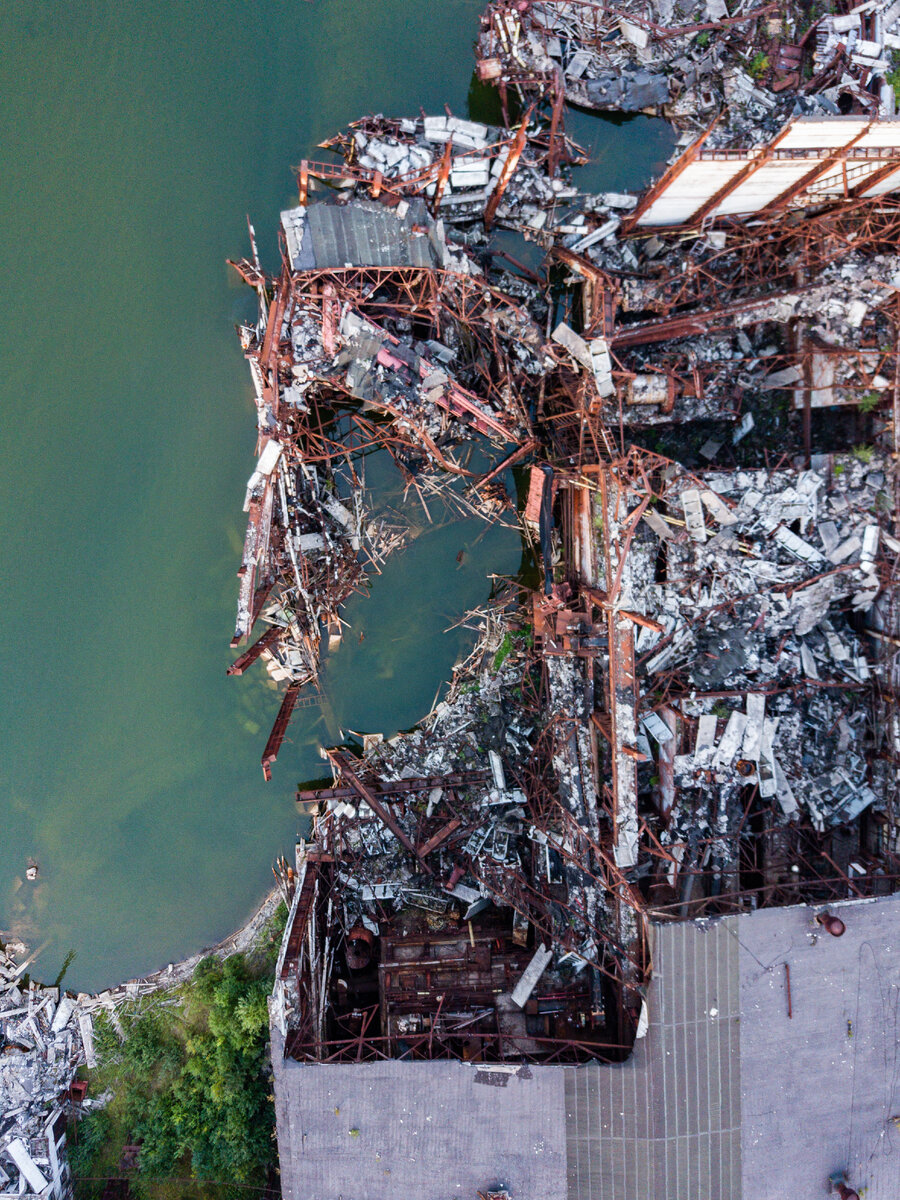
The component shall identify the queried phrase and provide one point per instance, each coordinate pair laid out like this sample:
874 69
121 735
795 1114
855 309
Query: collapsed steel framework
597 858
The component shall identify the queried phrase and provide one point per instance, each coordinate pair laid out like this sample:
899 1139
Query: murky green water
134 140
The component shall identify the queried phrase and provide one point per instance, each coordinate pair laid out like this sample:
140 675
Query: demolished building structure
694 714
45 1035
747 1026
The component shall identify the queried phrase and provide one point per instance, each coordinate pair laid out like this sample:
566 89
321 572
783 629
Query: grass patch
506 647
758 65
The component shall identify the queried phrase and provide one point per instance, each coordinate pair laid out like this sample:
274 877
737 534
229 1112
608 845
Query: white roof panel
887 185
814 133
764 186
885 133
696 184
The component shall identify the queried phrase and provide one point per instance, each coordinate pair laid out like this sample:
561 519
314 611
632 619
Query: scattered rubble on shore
46 1036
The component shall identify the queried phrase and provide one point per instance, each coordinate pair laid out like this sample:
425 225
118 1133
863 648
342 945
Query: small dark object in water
459 556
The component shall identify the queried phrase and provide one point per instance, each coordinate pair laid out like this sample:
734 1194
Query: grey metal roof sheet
726 1098
666 1124
426 1131
820 1087
366 234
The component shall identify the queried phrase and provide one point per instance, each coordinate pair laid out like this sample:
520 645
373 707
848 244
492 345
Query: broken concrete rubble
45 1037
748 66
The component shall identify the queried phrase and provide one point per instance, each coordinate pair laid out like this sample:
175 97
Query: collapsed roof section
451 906
377 321
466 171
362 235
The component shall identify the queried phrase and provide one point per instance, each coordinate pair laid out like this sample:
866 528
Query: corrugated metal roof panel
765 185
666 1123
818 133
887 185
367 234
696 184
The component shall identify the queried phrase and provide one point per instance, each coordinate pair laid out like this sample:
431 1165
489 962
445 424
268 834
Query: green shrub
92 1135
503 652
758 65
869 401
190 1082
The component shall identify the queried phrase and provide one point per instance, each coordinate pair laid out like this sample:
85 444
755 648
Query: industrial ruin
45 1036
691 409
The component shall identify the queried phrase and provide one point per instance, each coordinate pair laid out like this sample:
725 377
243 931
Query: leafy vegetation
507 645
758 65
503 652
190 1086
869 401
863 453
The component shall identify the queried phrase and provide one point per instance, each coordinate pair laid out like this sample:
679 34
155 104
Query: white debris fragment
693 514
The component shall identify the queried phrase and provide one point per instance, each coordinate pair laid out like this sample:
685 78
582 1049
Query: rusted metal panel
537 481
282 720
509 168
269 638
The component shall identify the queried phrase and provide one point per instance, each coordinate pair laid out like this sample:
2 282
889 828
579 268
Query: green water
135 138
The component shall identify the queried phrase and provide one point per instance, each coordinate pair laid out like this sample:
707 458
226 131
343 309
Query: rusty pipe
833 925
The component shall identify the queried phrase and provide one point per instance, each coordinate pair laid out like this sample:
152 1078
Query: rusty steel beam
521 452
559 100
273 324
644 333
276 737
874 179
250 655
509 167
381 811
397 787
440 837
443 176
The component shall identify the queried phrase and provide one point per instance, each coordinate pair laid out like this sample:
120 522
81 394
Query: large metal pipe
833 925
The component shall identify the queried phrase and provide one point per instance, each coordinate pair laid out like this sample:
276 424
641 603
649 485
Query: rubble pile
456 164
748 66
44 1037
445 839
410 347
728 341
762 574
